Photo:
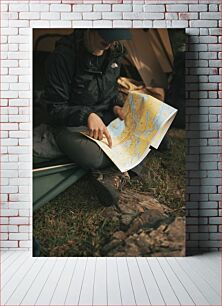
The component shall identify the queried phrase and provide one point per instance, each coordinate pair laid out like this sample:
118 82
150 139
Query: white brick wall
203 77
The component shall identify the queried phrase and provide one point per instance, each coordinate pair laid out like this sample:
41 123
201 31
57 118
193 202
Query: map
146 122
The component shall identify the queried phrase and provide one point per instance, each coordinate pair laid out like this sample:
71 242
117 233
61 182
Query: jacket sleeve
118 101
57 93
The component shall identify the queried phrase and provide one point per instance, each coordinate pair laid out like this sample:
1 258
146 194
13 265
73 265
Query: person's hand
97 128
118 111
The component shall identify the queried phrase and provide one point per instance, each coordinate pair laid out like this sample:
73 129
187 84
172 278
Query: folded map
146 122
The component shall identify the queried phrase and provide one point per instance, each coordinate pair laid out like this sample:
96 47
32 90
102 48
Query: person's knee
91 155
94 160
83 151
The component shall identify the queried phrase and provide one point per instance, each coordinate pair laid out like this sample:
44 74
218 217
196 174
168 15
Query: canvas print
108 142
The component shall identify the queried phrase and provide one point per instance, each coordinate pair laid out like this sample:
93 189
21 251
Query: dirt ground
150 219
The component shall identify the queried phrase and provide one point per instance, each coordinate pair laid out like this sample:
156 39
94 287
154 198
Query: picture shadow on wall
196 142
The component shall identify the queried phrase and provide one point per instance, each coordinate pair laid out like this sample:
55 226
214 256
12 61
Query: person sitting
81 94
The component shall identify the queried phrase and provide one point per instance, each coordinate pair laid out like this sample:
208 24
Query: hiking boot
108 184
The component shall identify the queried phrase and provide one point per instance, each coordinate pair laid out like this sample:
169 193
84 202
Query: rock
176 234
146 228
110 212
167 239
111 246
131 248
149 219
130 208
152 203
126 220
119 235
144 248
131 201
175 229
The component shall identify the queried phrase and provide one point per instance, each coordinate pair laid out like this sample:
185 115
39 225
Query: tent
149 60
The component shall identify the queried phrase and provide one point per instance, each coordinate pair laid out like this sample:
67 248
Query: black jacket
79 83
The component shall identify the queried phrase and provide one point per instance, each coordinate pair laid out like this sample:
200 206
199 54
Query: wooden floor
110 281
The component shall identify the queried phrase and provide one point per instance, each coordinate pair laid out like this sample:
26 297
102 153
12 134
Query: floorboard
14 269
47 291
75 287
60 293
180 291
37 285
5 256
153 290
113 284
165 287
212 279
23 285
193 280
190 285
126 289
207 291
86 294
137 281
212 260
100 283
11 261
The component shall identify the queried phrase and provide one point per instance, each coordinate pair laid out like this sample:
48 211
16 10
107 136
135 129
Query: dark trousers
82 150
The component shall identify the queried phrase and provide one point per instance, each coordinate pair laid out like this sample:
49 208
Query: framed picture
109 142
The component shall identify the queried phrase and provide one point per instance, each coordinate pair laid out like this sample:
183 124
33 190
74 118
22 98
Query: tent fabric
162 48
151 52
49 182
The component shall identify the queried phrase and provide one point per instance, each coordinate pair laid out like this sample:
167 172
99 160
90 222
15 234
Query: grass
73 224
164 173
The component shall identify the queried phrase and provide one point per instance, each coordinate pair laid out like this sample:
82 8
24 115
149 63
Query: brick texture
201 20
